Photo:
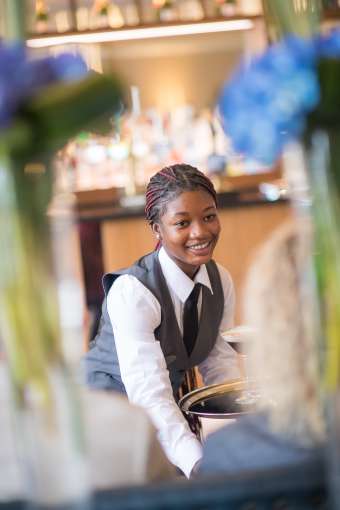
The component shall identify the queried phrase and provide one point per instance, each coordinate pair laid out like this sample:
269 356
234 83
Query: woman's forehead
189 202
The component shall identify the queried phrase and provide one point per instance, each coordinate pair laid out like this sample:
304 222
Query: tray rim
196 396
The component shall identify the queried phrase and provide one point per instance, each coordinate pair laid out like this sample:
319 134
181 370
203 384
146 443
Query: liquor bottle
41 17
166 10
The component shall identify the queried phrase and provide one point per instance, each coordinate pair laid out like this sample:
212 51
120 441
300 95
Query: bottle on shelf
41 17
130 13
166 10
226 7
191 10
100 11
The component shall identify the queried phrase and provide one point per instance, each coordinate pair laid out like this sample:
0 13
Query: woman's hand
195 469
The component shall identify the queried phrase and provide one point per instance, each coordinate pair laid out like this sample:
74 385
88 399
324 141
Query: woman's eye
181 224
210 217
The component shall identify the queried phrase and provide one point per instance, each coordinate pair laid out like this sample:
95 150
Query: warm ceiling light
141 33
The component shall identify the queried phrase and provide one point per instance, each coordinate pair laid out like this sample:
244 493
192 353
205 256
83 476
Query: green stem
15 20
324 165
28 304
286 16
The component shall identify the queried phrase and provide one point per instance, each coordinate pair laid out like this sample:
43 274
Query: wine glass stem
243 367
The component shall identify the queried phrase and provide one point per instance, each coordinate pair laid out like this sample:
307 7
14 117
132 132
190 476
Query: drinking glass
237 338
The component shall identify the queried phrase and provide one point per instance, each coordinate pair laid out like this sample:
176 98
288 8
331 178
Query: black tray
217 401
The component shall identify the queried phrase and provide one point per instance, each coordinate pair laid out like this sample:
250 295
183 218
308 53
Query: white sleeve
135 313
222 363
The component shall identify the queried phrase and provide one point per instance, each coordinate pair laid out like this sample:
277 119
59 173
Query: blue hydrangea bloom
68 66
266 102
21 77
329 45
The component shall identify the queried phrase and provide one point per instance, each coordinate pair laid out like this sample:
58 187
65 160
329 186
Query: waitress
165 313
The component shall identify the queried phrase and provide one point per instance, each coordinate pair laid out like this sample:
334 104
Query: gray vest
101 361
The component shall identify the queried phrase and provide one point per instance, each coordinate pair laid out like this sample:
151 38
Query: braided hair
169 183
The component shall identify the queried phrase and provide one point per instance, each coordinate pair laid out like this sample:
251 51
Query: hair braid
169 183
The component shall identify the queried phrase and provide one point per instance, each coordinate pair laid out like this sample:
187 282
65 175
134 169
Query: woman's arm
135 313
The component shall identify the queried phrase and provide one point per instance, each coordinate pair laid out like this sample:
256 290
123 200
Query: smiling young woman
146 340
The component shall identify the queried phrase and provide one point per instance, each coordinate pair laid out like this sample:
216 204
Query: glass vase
46 402
322 159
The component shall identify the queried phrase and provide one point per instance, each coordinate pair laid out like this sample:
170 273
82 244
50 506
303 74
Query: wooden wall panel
124 241
244 229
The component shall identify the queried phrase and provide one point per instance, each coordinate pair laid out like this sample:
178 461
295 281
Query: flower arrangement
291 93
265 105
43 103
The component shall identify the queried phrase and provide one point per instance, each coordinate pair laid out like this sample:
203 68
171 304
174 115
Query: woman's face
189 229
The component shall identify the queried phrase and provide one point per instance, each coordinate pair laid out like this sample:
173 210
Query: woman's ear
156 231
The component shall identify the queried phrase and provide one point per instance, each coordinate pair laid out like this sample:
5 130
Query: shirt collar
178 281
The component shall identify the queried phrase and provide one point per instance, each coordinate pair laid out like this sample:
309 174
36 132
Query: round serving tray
217 401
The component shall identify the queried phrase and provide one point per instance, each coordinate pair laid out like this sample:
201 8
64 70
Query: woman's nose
198 229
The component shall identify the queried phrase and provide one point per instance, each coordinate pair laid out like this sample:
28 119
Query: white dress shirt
135 313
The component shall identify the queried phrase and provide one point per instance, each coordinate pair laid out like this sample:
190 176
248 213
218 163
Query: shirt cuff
191 452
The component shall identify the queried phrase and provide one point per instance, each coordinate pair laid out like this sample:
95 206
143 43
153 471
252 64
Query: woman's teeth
199 246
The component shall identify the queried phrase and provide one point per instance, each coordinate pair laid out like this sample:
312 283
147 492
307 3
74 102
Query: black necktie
190 319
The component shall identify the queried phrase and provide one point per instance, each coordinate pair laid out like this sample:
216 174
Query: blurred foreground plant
42 104
292 17
291 93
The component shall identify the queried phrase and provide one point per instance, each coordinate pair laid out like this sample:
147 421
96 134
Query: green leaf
327 113
63 110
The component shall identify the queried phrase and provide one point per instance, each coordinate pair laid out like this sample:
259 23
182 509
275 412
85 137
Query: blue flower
266 102
329 45
12 59
68 67
21 77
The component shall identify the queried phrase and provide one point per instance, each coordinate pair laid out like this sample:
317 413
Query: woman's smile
201 248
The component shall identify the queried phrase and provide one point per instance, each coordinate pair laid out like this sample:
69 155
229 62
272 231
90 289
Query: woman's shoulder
227 284
127 281
225 276
129 284
129 290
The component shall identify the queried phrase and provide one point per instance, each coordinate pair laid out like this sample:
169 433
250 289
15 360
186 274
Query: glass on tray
237 338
